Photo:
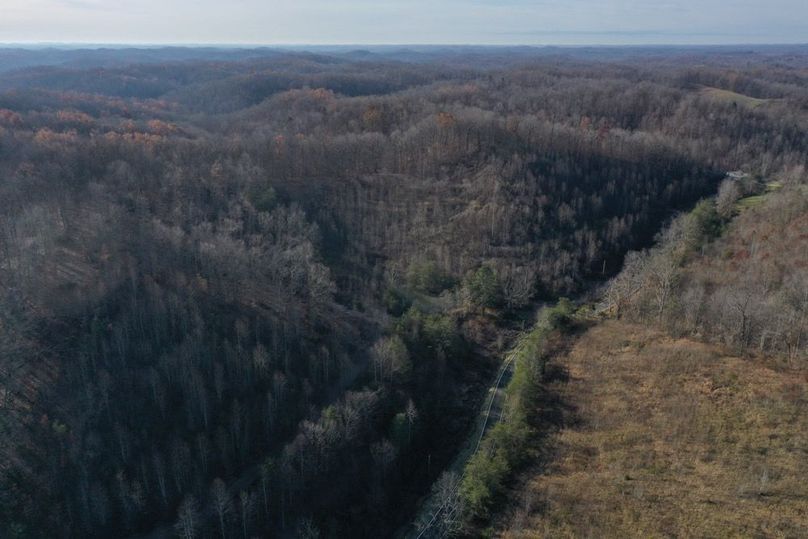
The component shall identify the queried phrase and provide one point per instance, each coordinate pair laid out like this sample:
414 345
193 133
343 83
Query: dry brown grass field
668 437
734 97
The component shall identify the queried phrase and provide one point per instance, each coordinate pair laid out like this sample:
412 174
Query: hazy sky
405 21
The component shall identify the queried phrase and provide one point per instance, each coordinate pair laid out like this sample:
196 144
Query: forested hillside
261 293
733 271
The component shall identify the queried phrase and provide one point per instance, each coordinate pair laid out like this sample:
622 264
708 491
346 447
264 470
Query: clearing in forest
668 438
734 97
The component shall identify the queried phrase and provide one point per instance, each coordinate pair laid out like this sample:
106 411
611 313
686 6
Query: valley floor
667 437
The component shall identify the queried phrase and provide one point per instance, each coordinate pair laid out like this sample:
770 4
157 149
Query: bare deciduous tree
188 519
220 499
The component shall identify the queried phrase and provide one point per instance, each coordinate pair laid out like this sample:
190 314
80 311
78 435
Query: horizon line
189 44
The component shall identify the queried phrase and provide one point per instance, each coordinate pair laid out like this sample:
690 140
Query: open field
669 438
756 200
729 96
749 202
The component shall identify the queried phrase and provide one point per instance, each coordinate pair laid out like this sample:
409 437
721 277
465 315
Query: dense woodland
259 293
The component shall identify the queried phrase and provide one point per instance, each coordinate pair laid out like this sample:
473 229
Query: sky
320 22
